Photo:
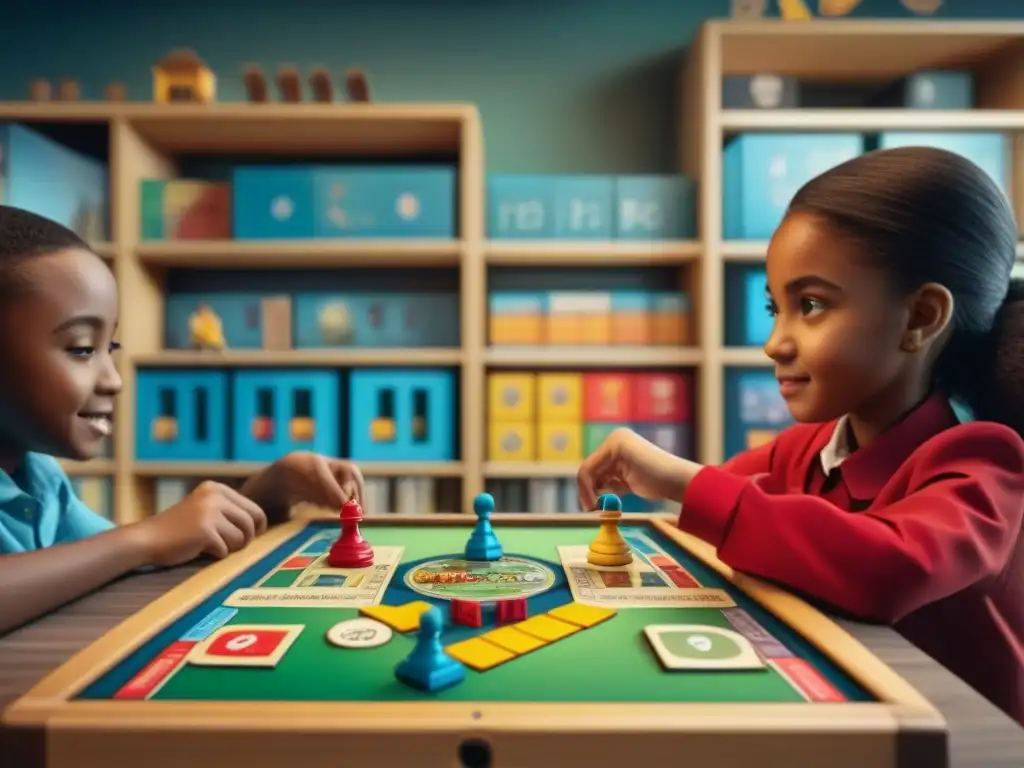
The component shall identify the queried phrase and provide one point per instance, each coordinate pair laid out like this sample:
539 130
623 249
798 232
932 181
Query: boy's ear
931 307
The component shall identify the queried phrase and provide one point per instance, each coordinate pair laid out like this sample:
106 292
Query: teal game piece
428 667
483 545
609 502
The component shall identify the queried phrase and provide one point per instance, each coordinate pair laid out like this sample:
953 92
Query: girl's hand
626 463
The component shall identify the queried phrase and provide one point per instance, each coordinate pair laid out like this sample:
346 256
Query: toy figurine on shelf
357 87
182 77
336 324
206 329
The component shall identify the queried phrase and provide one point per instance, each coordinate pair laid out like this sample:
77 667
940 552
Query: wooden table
982 737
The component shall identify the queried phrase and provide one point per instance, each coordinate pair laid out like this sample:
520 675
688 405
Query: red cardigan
929 539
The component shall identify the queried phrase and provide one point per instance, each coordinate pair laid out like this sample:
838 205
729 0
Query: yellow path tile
513 640
401 618
479 654
581 615
546 628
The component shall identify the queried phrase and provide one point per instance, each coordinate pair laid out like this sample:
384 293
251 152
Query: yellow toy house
183 77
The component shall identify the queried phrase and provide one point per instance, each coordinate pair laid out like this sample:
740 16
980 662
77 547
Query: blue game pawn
483 545
609 502
428 667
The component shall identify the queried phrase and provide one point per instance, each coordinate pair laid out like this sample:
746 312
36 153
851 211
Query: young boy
58 316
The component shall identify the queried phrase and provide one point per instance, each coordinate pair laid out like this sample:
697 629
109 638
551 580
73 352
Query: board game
512 640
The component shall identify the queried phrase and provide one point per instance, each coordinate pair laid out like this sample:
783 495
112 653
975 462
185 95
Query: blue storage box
331 320
386 202
241 318
655 208
747 320
520 206
989 151
40 175
753 405
584 207
273 203
762 172
182 415
402 415
280 411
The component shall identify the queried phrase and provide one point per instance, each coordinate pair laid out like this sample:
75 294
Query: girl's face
839 328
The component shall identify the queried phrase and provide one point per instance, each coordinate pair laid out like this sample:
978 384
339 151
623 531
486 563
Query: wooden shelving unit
822 50
147 139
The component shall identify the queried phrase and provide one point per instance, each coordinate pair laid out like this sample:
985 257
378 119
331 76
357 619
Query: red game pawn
350 550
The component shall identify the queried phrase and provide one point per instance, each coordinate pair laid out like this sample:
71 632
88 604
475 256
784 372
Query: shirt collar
867 469
29 479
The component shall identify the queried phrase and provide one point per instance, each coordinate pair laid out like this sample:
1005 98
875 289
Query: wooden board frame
49 729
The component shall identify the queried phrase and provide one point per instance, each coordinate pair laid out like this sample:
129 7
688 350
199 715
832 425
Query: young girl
58 314
889 281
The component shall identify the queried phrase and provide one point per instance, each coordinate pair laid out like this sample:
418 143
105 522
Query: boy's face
56 342
838 326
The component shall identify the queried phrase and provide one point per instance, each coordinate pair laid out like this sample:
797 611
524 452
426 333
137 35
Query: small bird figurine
206 329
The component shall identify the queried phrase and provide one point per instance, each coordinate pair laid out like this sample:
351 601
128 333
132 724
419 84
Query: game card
245 645
698 647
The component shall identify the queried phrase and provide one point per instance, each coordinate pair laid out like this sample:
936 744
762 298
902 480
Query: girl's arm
956 522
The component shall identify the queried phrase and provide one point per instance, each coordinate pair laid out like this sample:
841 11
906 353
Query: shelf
91 468
529 469
285 254
858 50
105 249
754 251
744 356
580 253
238 469
734 120
340 358
592 357
744 250
305 129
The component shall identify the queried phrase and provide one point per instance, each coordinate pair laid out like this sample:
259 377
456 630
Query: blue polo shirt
39 508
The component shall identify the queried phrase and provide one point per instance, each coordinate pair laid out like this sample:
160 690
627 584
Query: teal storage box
402 415
280 411
989 151
386 202
748 322
43 176
655 208
762 172
584 207
240 314
520 206
753 404
273 203
181 415
330 320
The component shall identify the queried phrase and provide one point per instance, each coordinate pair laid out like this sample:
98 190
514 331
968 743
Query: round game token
359 633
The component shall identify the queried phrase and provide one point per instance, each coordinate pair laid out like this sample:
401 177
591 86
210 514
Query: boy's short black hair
25 235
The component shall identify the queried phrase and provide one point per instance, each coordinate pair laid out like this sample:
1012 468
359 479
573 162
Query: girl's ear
931 307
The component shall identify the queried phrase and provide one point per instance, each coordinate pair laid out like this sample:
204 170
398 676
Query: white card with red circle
245 645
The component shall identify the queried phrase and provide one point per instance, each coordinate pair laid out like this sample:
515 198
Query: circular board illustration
459 579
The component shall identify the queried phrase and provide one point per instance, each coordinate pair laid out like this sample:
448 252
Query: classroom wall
563 85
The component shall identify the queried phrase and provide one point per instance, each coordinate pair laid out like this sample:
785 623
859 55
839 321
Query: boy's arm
37 582
956 524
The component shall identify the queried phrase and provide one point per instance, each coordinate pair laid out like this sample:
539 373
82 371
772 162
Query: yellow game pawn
608 548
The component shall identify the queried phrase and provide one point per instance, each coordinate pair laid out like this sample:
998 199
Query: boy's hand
304 477
626 463
213 520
